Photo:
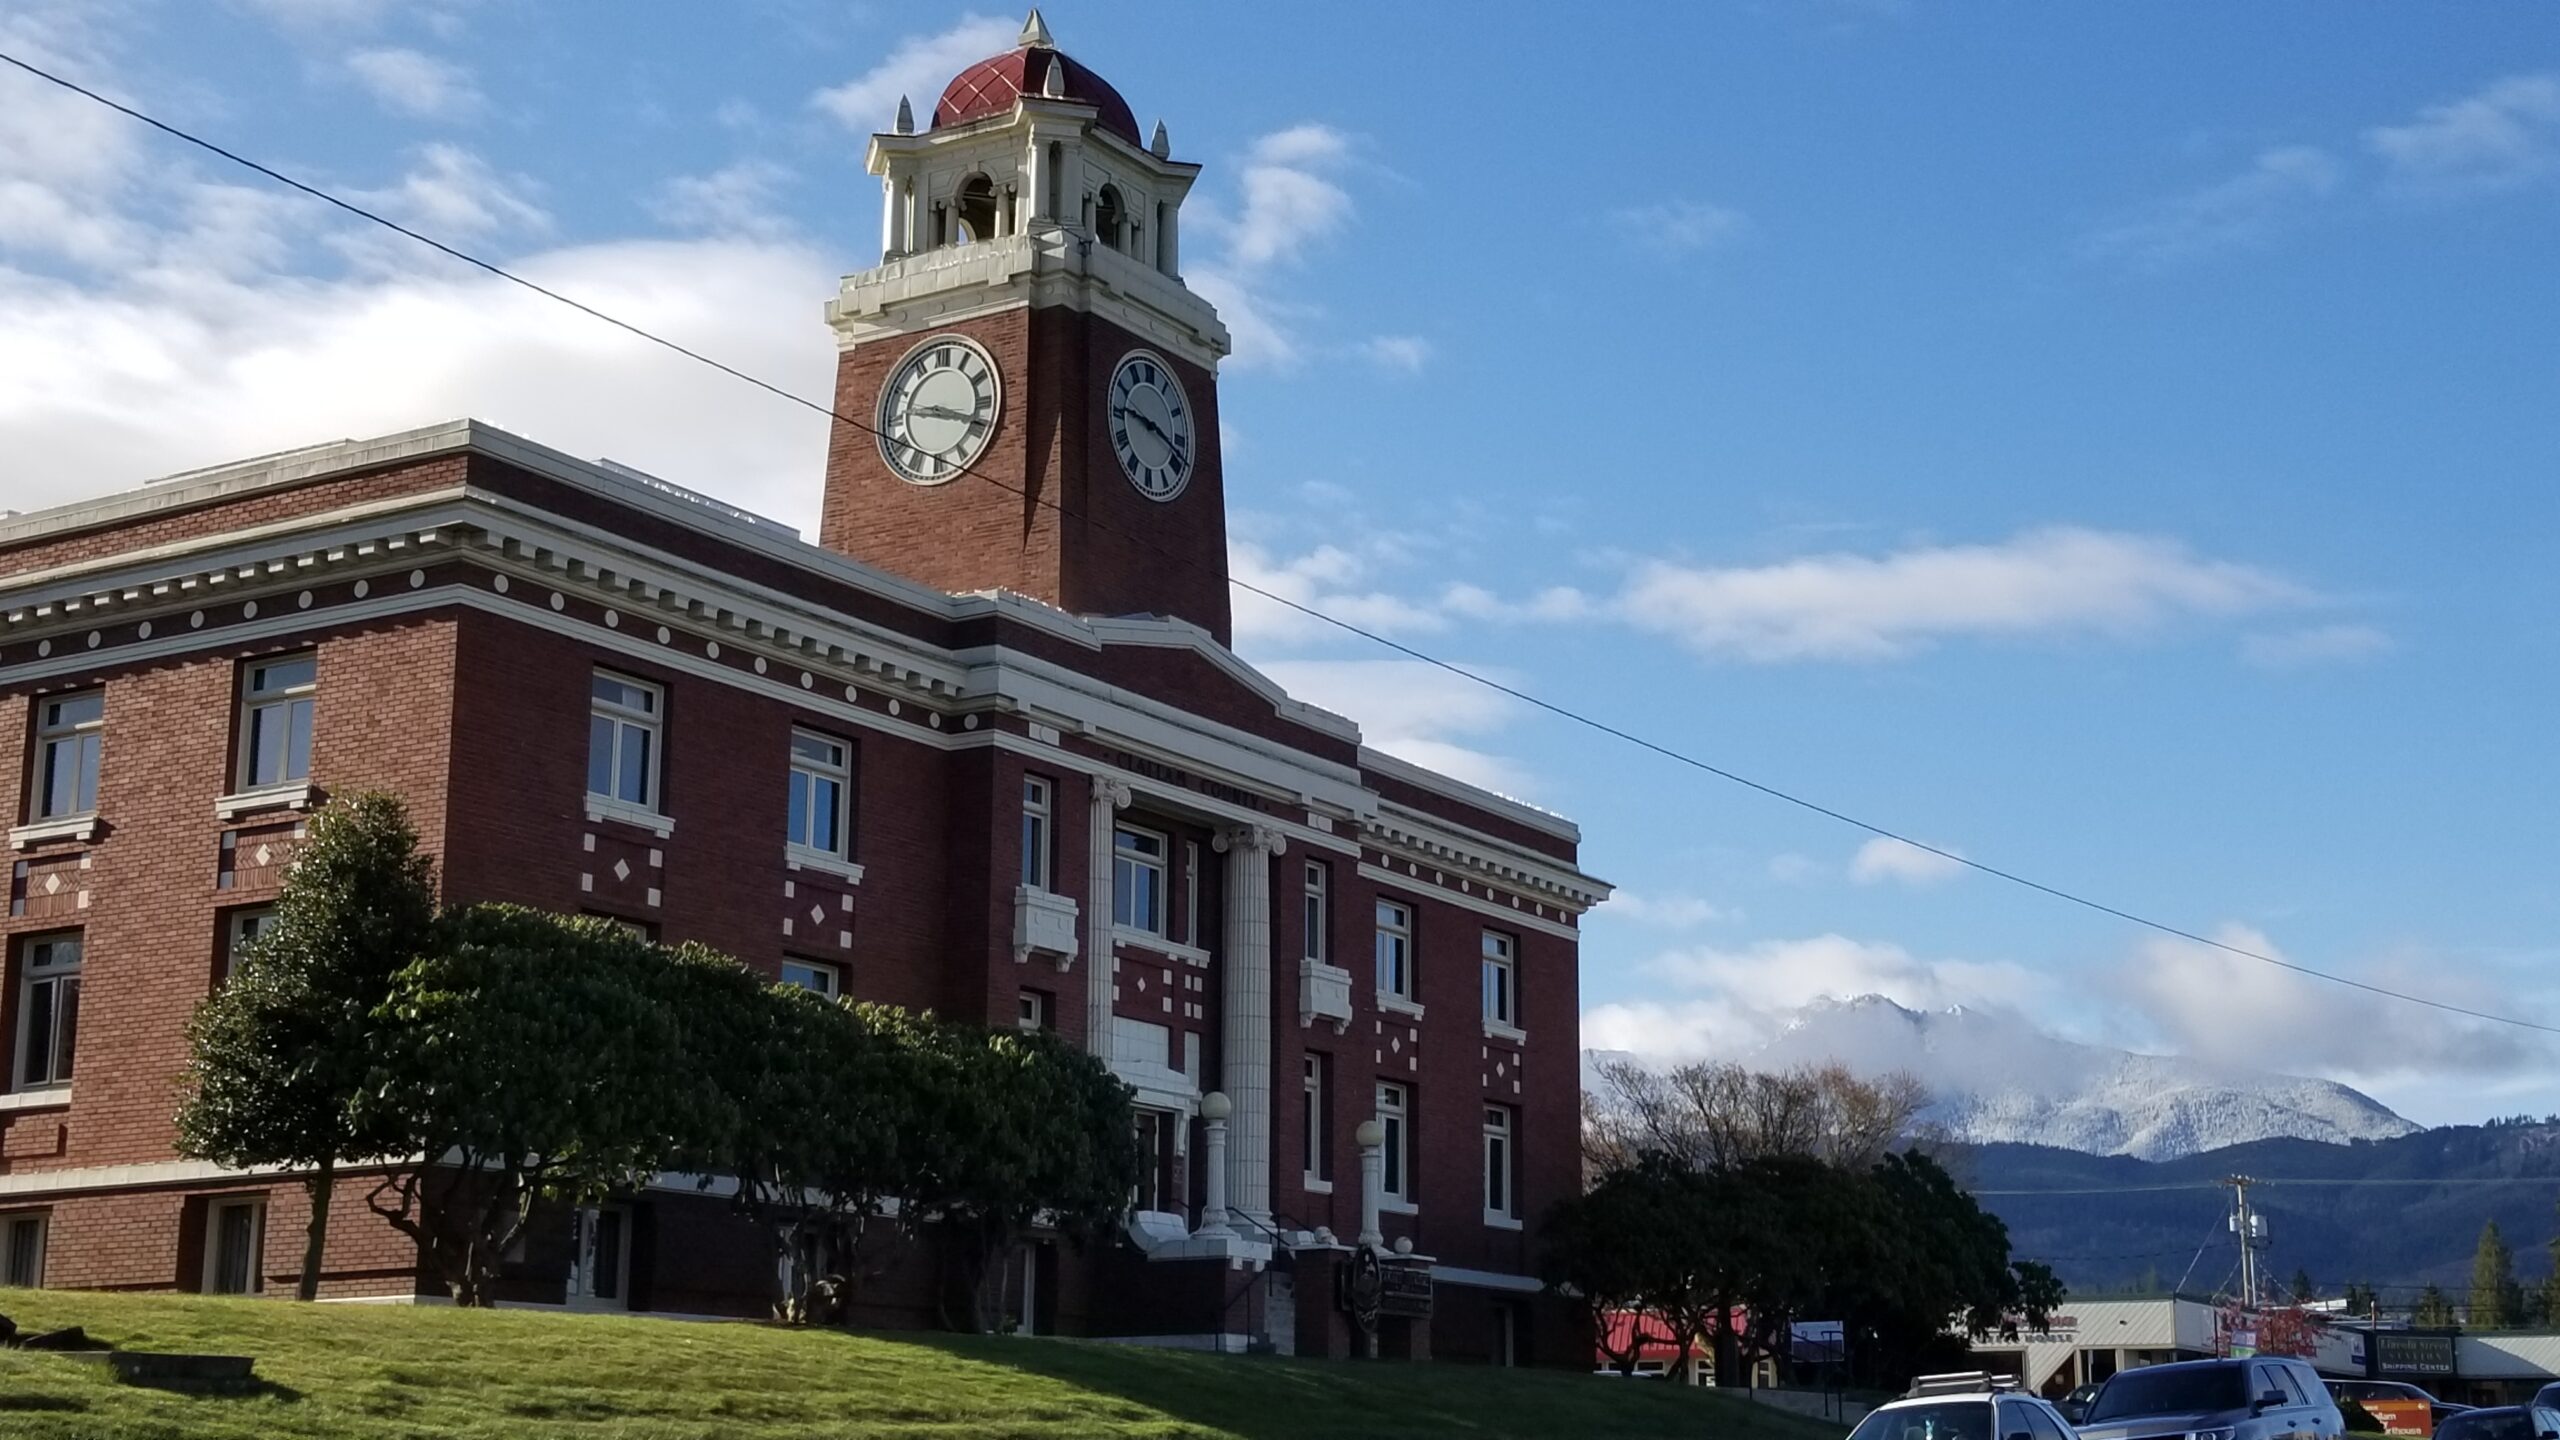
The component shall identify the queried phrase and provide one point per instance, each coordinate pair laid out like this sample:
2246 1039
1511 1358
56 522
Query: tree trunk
315 1238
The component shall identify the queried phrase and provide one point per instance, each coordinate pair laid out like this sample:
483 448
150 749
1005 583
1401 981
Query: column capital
1267 839
1113 793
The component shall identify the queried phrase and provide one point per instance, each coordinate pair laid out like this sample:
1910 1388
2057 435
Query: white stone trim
1487 1279
53 1098
796 858
296 796
1388 1204
601 808
1191 955
1520 811
1521 919
1496 1030
68 827
1495 1220
1391 1002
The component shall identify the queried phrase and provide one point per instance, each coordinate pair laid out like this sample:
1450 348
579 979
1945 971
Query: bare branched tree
1718 1114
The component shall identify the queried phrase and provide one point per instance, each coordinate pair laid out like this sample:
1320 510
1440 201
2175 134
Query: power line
1599 726
2333 1182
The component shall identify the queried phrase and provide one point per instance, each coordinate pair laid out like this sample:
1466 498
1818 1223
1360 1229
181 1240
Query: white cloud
2247 209
1680 227
2224 1007
1413 711
917 70
2501 136
1408 353
1740 998
412 83
443 17
1331 578
2315 645
1857 607
1791 868
452 194
734 200
1662 912
1882 859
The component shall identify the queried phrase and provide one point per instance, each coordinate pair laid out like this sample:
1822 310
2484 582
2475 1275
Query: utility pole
2252 1231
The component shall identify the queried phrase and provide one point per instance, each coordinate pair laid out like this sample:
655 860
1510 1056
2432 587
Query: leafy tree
532 1057
2497 1302
2304 1292
1013 1125
2041 1293
2551 1285
284 1053
2434 1311
2362 1299
1632 1244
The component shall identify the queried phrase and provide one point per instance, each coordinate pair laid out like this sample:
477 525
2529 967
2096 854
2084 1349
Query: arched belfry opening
975 206
1110 218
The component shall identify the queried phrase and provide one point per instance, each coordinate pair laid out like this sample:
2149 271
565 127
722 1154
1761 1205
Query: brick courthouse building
974 752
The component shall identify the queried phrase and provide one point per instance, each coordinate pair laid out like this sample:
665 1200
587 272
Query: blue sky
2112 442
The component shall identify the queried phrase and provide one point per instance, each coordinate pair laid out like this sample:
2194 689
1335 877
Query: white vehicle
1969 1406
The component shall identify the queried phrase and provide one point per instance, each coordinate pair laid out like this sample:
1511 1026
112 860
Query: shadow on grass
56 1404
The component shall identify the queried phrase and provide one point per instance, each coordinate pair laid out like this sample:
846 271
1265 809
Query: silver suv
1970 1406
2258 1399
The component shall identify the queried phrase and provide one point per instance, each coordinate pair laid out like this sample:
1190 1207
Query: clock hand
943 412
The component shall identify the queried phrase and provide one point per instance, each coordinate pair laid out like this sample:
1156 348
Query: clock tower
1042 384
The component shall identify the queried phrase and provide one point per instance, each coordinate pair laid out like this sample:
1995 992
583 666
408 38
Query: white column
1110 797
889 245
1245 1039
1214 1110
1372 1139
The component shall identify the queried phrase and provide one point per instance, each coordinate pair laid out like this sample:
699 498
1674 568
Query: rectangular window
22 1249
241 929
600 1267
1395 1111
1315 911
1137 880
821 794
622 740
235 1243
1498 1159
824 981
1031 1011
275 721
48 1011
1155 1135
1500 977
1319 1165
1190 892
69 729
1395 949
1035 832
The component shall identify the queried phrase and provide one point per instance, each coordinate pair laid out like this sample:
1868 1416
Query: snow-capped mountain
1996 1079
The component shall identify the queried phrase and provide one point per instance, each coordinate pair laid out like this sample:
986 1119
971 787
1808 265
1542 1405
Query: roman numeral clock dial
939 410
1151 428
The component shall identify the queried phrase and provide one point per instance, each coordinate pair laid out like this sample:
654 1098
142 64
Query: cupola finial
1035 31
1162 145
1054 84
906 122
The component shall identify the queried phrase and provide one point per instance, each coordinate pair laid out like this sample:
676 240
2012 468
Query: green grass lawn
368 1371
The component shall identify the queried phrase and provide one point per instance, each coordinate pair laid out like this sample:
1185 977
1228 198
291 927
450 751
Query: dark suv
2258 1399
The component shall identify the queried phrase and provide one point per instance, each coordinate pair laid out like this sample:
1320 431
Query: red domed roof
992 85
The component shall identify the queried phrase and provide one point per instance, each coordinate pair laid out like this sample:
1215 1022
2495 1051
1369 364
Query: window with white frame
1395 1117
1319 1164
48 1011
69 729
822 980
1190 892
1316 910
600 1264
235 1243
1137 880
821 794
22 1249
1501 978
1500 1158
1038 800
624 720
275 721
1031 1011
1395 949
1155 1163
241 929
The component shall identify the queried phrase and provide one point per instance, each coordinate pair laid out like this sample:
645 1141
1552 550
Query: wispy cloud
1408 353
1338 579
1416 712
1291 201
734 200
452 192
2247 209
916 68
2315 645
2504 135
1660 912
1680 227
1726 1001
415 84
1882 859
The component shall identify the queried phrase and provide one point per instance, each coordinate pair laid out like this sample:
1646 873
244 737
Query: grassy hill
355 1372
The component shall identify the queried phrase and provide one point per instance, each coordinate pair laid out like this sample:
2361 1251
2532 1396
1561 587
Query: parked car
2259 1399
2502 1422
1968 1406
2548 1397
2075 1406
2362 1390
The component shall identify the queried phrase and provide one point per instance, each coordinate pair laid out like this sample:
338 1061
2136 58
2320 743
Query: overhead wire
1592 723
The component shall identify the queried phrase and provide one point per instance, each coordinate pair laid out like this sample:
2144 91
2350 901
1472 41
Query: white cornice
1045 266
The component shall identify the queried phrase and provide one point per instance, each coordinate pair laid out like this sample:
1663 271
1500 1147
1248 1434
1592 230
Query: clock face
1151 426
938 410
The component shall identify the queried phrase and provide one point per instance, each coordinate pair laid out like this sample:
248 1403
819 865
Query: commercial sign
2402 1417
2413 1354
